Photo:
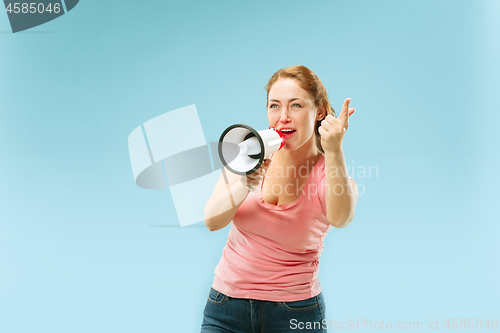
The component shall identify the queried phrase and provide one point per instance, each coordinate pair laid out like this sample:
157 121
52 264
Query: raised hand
332 130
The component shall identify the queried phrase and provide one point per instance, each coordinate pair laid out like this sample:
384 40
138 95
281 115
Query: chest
279 188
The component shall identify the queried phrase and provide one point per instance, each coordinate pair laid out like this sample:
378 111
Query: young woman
267 278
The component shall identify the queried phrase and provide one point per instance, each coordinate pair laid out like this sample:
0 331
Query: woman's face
291 107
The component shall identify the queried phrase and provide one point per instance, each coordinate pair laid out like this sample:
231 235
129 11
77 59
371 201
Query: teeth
287 130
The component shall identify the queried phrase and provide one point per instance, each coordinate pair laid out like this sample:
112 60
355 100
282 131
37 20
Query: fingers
321 130
330 119
261 171
344 115
331 123
256 177
328 122
263 167
345 108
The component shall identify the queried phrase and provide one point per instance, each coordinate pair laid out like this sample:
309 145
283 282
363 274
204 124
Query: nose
284 115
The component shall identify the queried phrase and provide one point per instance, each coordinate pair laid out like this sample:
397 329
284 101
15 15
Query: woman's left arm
341 192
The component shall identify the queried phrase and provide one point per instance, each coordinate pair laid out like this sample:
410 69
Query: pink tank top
273 252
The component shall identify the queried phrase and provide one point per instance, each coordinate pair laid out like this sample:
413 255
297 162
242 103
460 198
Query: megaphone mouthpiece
250 146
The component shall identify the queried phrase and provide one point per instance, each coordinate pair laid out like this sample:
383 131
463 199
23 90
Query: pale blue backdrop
83 249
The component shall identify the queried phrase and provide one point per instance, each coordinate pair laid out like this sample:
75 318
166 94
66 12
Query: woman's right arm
228 196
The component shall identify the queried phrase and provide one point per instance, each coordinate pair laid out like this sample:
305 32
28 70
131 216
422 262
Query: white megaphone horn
242 150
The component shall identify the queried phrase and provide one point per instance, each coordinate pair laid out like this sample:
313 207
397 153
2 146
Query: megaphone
242 150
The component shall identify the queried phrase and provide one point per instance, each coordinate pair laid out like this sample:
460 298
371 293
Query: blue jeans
242 315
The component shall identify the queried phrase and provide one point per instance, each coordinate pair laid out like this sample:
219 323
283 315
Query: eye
298 105
272 106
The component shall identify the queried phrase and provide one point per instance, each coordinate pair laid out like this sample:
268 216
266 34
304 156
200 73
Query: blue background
83 249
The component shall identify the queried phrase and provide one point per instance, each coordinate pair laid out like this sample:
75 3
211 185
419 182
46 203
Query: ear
321 113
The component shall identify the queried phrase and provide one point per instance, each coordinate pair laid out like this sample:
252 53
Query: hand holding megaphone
242 150
253 180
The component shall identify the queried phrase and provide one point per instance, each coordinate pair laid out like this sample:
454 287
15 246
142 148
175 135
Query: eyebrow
293 99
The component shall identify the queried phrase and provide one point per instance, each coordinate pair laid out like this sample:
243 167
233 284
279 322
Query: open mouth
288 132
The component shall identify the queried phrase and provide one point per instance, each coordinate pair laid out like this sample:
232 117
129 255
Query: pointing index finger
344 115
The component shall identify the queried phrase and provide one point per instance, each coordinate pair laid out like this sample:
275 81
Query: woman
267 278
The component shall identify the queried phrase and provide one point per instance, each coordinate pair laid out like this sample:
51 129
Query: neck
307 154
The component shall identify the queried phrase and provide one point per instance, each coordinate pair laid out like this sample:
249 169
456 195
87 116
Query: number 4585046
471 324
33 7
